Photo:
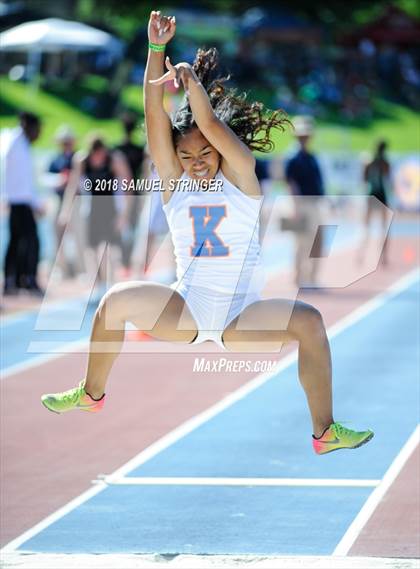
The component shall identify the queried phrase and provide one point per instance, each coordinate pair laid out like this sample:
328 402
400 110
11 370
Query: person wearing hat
61 165
304 178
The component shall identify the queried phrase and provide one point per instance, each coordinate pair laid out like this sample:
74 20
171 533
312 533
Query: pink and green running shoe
75 398
336 437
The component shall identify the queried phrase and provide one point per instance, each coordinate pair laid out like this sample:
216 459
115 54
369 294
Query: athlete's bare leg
151 307
306 327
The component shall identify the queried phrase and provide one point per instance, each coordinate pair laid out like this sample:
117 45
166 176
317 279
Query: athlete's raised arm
161 30
219 134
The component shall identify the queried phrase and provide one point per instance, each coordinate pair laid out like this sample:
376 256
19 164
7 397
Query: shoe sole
61 412
366 440
49 409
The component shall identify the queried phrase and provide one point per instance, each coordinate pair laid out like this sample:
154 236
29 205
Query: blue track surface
201 520
19 331
266 435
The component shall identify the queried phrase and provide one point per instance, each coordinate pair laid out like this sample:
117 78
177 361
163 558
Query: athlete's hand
180 72
161 29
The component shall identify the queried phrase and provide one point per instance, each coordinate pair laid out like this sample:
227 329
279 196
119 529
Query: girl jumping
215 235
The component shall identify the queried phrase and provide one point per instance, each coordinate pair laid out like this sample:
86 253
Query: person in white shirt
22 254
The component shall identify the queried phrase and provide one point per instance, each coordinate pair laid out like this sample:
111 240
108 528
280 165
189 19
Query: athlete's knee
314 324
115 303
306 320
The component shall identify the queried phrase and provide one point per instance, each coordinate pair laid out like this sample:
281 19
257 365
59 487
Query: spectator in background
61 165
377 176
153 227
134 155
304 178
22 256
97 174
262 171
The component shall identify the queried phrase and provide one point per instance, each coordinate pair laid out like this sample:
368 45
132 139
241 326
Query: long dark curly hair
251 122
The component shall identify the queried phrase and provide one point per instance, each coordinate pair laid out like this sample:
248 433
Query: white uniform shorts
213 311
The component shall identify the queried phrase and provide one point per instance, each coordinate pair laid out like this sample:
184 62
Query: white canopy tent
54 35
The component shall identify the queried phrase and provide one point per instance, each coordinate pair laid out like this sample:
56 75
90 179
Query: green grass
398 125
56 110
63 104
132 98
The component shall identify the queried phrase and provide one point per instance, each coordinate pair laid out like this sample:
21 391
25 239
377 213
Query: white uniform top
216 238
17 180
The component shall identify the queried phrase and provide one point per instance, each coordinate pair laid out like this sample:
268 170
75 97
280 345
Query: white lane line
372 502
57 515
62 350
376 302
210 481
191 424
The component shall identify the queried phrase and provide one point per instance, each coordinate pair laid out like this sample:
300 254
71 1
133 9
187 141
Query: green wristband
156 46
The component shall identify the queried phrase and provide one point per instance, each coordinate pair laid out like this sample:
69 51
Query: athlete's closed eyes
186 156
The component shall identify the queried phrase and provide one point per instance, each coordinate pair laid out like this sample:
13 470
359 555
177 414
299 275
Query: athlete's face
198 157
